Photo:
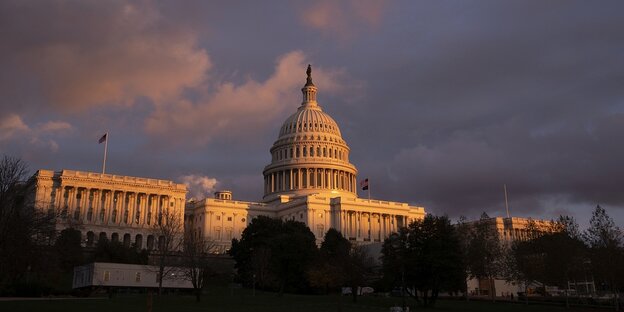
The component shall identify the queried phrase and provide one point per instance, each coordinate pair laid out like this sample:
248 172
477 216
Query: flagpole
368 189
506 203
105 150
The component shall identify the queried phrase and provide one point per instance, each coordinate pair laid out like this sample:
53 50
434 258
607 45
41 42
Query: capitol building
309 179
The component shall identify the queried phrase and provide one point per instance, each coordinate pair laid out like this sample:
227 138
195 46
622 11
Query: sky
441 102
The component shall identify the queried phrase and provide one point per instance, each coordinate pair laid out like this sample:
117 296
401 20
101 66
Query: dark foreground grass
243 301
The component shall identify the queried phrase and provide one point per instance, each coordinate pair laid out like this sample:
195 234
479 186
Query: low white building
101 274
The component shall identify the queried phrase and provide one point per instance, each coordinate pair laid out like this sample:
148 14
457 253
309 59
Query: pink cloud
87 53
342 18
239 111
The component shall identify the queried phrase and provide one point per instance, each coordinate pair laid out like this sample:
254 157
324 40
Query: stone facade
103 205
309 179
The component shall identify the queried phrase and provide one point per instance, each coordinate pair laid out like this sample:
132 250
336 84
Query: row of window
309 151
307 126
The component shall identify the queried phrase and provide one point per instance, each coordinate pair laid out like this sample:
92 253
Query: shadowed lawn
222 300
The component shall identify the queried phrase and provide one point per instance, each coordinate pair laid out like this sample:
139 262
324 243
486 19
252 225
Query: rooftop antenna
506 203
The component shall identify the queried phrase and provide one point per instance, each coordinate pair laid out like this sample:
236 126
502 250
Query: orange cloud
342 18
89 53
239 111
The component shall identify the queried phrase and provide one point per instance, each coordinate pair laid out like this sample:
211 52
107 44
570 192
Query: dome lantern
309 90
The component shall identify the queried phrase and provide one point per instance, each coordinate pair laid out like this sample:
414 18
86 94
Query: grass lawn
242 300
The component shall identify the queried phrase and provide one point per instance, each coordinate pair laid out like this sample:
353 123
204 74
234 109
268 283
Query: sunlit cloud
199 186
93 53
243 110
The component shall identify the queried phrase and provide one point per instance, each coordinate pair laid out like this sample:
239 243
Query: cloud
15 132
241 112
51 126
342 18
11 126
199 186
81 54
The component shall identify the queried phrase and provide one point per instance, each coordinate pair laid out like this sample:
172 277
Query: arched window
305 152
297 151
311 151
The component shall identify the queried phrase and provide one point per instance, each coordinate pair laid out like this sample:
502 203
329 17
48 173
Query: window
137 277
106 276
229 218
218 218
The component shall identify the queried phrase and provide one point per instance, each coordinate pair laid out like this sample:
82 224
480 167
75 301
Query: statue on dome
309 79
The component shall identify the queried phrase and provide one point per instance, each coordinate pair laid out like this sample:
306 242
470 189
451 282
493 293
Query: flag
364 184
103 138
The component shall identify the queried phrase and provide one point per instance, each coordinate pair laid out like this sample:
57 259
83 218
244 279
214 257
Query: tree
427 257
524 264
25 232
485 253
341 263
334 253
283 250
68 249
196 261
169 229
604 239
554 256
117 252
357 268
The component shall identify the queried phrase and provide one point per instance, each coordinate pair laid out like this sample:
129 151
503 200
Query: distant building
101 274
516 229
119 208
509 230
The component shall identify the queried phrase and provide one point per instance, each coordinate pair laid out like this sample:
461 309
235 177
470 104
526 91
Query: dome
309 155
308 119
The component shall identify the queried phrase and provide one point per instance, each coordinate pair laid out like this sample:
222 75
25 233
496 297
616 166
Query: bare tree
23 228
169 230
196 260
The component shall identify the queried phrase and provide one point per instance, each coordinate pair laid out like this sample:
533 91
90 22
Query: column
370 228
358 225
382 230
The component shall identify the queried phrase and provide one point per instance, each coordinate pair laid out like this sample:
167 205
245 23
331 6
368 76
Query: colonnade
366 226
112 206
304 178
